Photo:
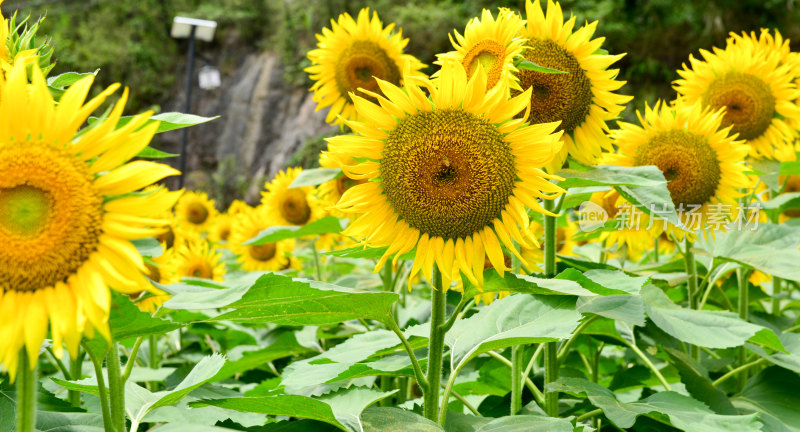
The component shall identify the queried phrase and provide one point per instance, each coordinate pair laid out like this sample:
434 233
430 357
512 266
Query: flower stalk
691 291
550 348
435 347
116 388
26 393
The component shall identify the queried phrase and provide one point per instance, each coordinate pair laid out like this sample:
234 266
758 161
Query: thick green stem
26 393
116 388
516 378
153 354
744 301
386 385
75 368
691 291
655 249
550 348
776 291
317 264
435 347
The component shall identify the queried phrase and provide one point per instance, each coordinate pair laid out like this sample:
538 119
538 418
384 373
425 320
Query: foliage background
130 41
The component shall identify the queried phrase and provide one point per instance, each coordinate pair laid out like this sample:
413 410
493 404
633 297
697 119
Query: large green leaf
168 121
126 320
627 308
684 412
772 394
193 295
513 320
382 419
770 248
282 300
570 282
698 383
610 175
711 329
139 401
326 225
341 409
790 359
605 282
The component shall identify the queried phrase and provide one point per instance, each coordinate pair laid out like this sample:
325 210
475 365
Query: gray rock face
263 122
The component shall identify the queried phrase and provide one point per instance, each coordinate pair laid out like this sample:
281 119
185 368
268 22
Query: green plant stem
131 359
116 388
464 304
691 291
423 383
466 403
736 371
528 383
26 393
317 265
75 369
744 302
101 389
776 291
435 347
386 385
655 249
153 354
60 364
550 348
588 415
533 361
649 364
564 351
517 352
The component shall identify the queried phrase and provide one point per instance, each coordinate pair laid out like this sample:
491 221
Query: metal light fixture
191 28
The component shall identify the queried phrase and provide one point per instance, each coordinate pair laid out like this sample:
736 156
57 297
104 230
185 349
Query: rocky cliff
263 122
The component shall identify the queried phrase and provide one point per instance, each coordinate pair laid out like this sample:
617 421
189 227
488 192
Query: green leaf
382 419
698 383
513 320
148 247
772 395
282 300
168 121
529 65
768 171
67 79
154 153
341 409
326 225
210 295
578 195
770 248
790 359
610 175
284 346
605 282
711 329
139 401
86 385
527 423
684 412
315 176
126 320
790 168
47 421
492 282
626 308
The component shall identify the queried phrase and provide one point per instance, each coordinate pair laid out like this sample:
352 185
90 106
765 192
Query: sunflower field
489 244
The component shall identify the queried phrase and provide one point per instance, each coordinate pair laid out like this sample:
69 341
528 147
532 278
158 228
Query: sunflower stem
116 388
744 301
317 265
152 343
435 347
550 348
691 291
655 249
26 393
75 369
517 352
776 291
101 389
131 360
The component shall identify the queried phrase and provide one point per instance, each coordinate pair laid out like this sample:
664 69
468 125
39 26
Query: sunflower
195 211
748 79
221 228
70 202
350 57
700 158
635 237
290 206
193 258
238 206
149 301
269 256
791 185
450 174
583 98
490 44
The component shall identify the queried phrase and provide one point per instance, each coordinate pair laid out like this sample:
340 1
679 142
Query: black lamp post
191 28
